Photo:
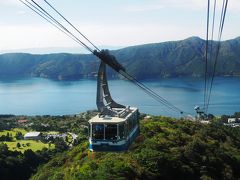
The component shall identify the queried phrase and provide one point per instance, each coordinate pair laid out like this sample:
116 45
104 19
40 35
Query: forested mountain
168 59
165 149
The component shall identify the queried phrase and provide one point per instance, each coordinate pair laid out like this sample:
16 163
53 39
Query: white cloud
21 12
135 34
160 4
144 8
10 2
233 5
22 36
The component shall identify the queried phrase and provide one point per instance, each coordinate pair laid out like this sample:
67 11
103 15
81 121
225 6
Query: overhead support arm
103 94
109 59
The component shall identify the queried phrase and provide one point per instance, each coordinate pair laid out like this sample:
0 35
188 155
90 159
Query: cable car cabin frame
116 126
114 133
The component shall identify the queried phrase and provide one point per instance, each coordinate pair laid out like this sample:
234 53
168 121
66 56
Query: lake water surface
36 96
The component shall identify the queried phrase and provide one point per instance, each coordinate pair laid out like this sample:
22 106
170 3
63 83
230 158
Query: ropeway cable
151 92
210 57
48 17
222 20
36 11
44 13
71 25
206 56
164 102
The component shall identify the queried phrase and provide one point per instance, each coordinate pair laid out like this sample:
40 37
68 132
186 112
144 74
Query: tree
224 118
31 158
3 148
67 139
237 114
19 136
60 144
18 145
6 138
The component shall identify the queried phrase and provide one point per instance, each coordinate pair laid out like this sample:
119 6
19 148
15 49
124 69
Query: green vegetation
13 132
169 59
14 140
19 158
69 139
18 165
166 149
28 144
8 122
52 132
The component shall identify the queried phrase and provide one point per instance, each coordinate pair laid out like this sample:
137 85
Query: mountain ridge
156 60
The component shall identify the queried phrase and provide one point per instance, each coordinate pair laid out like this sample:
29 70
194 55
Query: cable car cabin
114 133
116 126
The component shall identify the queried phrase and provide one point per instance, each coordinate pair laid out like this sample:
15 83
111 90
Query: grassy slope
33 145
13 132
166 149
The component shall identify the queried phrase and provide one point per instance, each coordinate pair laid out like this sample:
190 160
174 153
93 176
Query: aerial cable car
116 126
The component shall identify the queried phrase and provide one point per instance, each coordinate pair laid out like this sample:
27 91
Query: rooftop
32 134
115 119
22 121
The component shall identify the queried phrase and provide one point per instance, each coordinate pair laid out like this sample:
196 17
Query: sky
109 23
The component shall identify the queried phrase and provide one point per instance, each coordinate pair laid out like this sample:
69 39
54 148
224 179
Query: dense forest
168 59
166 149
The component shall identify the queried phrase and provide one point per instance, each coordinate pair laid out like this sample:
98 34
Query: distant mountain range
167 59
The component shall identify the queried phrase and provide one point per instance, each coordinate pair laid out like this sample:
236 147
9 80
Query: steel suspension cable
211 51
151 92
146 89
36 11
209 55
83 44
222 20
206 57
50 18
71 25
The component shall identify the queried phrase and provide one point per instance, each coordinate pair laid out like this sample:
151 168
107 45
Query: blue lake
36 96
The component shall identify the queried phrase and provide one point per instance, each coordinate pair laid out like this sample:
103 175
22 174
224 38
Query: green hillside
168 59
166 149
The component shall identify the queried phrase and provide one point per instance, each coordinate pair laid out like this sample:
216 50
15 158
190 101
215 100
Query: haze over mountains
167 59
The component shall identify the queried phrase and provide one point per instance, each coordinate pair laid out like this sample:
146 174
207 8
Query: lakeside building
33 136
22 122
231 120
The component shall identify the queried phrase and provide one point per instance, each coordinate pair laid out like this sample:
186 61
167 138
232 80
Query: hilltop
166 149
167 59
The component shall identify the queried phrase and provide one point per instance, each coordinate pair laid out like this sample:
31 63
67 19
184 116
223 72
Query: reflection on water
41 96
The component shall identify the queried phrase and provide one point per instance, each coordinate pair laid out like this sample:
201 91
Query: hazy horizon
78 50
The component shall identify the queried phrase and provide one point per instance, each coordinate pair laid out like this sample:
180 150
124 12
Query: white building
231 120
33 135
